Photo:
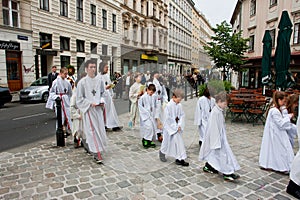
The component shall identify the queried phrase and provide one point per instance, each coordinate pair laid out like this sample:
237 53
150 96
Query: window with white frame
114 23
80 45
104 19
94 47
64 43
251 43
253 7
64 8
93 14
273 2
79 10
44 5
296 34
11 14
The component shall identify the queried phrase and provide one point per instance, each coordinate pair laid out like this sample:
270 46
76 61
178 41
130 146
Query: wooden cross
93 92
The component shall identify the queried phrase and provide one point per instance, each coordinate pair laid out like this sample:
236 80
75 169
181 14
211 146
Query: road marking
31 105
29 116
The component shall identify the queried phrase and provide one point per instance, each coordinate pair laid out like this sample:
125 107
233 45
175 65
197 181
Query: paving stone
252 186
205 184
56 193
200 195
235 194
71 189
85 186
83 195
56 185
4 190
157 174
112 187
172 186
14 195
182 183
99 190
252 197
281 197
136 189
271 189
39 196
123 184
226 197
175 194
68 197
42 189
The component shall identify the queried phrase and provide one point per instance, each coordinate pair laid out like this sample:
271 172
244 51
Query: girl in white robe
203 109
149 114
172 144
276 151
215 148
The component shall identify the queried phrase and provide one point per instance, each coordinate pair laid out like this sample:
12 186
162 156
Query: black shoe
162 157
200 143
97 160
116 129
230 177
182 162
209 169
293 189
146 143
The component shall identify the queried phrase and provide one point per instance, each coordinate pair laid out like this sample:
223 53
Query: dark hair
151 87
206 92
101 66
276 96
88 62
292 103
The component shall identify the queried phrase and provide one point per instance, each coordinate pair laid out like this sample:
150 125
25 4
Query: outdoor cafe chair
256 114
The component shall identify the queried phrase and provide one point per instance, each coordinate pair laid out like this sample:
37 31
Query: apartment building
253 18
145 35
16 63
180 36
66 32
201 34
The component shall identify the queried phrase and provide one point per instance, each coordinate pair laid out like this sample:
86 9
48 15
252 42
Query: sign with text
46 52
8 45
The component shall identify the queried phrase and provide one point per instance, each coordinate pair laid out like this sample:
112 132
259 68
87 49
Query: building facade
16 58
180 36
253 23
201 34
145 35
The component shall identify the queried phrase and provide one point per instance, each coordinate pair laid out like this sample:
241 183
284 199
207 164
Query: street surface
44 171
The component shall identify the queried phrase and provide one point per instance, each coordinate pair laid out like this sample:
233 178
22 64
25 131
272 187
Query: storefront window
245 78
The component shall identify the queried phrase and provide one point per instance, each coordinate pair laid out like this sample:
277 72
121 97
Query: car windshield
40 82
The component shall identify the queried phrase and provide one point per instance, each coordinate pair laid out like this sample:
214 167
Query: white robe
61 88
76 114
134 91
172 144
276 151
111 115
202 112
149 111
93 120
292 133
215 148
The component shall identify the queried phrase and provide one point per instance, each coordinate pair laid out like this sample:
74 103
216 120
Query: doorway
44 65
14 70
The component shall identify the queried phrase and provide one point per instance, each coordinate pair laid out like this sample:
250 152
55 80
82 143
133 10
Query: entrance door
14 70
44 65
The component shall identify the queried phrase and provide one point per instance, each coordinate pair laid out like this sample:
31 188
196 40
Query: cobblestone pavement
44 171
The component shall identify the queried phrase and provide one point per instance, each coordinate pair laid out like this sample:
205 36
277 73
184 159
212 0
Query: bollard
60 139
185 90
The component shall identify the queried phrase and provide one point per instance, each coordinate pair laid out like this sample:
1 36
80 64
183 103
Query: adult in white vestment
135 92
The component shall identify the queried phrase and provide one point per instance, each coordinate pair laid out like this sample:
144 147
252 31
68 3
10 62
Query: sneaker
230 177
209 169
116 129
146 143
162 157
182 162
152 144
97 160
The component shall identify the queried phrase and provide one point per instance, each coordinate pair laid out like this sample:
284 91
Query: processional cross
93 92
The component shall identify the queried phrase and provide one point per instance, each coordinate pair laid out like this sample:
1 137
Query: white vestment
215 148
134 91
202 112
76 116
276 151
292 133
61 88
90 90
172 144
111 115
148 107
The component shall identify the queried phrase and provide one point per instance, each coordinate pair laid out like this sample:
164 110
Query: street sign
46 52
22 37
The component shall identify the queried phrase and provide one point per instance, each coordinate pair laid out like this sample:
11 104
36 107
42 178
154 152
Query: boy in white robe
148 106
276 151
215 149
135 92
172 144
204 107
61 88
89 100
111 116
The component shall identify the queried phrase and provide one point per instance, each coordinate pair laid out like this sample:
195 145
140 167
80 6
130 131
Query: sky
216 11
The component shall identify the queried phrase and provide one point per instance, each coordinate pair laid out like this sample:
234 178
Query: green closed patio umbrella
283 50
266 59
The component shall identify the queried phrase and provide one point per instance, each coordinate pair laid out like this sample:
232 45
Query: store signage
146 57
46 52
8 45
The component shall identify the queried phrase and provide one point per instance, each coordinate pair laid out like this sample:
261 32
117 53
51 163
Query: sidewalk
44 171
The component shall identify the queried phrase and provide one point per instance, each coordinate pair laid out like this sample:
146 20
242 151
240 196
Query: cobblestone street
44 171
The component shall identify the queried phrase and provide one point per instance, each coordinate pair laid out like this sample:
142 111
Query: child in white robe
135 92
172 144
276 151
204 107
215 149
149 116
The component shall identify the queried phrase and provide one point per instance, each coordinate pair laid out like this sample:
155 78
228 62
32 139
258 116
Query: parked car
37 91
5 96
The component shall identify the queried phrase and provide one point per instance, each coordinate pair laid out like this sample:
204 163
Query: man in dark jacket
52 76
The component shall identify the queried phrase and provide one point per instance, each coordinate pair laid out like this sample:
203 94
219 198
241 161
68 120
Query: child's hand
79 118
291 115
179 129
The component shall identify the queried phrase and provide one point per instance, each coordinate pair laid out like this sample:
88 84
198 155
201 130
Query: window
272 33
45 41
104 19
64 43
135 30
64 8
296 34
93 47
104 49
44 4
64 61
10 13
80 61
253 7
79 10
273 3
134 4
251 43
80 45
93 14
114 23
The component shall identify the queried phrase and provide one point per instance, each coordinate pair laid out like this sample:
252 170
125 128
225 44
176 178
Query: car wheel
45 97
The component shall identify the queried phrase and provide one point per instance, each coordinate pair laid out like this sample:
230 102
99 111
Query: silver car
37 91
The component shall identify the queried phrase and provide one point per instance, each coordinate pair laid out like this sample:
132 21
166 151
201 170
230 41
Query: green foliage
227 49
215 86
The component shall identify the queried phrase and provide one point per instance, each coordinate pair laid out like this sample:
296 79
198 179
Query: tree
227 49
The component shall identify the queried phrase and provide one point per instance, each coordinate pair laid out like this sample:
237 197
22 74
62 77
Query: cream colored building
253 17
69 32
180 36
16 57
145 35
201 34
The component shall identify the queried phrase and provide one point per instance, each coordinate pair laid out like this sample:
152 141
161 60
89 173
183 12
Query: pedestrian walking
52 76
